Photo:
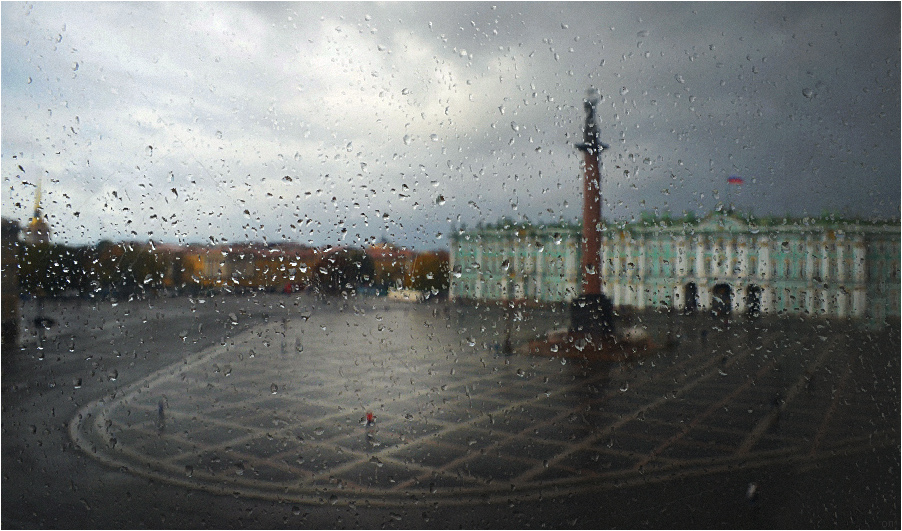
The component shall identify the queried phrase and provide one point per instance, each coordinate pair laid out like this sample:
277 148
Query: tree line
128 269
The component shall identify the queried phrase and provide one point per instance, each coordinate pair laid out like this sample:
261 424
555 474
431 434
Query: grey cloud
345 98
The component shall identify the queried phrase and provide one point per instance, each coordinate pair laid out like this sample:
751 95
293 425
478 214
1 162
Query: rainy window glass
450 265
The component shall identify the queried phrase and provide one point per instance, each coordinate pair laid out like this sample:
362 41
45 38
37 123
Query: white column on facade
625 270
859 277
452 259
809 258
859 301
739 248
700 257
830 301
767 299
571 270
840 265
540 269
477 292
680 257
640 295
858 254
728 252
604 262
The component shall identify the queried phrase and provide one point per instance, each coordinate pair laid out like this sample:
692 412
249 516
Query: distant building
9 267
390 264
38 230
722 262
280 267
522 262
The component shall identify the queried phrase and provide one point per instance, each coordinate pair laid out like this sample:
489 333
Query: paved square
278 412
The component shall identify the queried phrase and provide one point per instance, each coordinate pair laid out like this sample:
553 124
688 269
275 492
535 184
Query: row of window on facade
788 268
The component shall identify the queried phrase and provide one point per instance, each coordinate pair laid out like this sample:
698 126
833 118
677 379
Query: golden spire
38 230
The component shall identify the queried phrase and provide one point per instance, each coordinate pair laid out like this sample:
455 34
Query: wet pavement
277 412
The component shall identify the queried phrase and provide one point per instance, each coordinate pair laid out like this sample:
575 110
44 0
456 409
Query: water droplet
319 431
273 388
679 79
625 387
808 93
189 470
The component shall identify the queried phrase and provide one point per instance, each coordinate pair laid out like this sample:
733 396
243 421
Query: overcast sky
345 122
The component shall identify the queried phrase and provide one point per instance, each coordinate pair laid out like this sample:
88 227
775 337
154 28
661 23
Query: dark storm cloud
345 121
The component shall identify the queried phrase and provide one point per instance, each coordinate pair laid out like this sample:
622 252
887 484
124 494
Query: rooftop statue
590 129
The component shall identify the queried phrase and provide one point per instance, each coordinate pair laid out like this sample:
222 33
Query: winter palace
724 261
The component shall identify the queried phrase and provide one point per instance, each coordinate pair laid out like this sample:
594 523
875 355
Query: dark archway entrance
691 298
753 301
721 300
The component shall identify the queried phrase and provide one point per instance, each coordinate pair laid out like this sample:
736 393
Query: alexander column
592 312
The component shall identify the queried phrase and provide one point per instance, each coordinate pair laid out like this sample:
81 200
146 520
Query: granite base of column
594 314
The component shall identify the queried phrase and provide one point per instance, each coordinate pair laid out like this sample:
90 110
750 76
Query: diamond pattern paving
277 412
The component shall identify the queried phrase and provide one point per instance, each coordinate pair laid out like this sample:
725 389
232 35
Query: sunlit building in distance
38 230
724 261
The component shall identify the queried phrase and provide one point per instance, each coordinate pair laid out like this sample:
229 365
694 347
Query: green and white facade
516 262
836 269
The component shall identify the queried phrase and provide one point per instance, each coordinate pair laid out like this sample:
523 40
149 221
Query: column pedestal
593 314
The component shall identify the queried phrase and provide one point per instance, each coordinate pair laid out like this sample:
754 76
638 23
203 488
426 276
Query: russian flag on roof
735 179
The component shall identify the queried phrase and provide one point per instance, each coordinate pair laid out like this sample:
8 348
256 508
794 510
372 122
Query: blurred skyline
343 123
